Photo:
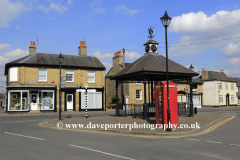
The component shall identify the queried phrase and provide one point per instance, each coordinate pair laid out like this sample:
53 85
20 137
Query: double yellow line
149 136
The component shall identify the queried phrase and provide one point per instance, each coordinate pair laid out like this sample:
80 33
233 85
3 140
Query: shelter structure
152 67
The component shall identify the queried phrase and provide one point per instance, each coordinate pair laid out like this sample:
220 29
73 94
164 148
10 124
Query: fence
184 109
136 110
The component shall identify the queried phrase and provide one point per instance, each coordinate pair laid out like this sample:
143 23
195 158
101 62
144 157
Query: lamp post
60 58
166 21
191 67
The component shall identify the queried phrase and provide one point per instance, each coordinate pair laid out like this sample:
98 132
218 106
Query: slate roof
153 64
194 81
237 80
49 59
213 76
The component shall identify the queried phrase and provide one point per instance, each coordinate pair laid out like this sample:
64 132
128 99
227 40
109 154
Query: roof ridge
28 57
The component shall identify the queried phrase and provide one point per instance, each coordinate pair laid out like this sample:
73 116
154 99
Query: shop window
220 86
18 101
42 74
70 75
47 101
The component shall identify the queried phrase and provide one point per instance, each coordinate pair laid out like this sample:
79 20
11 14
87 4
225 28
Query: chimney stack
117 59
32 47
204 75
82 49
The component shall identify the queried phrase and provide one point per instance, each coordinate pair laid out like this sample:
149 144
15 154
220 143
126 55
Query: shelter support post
145 104
191 98
152 92
116 97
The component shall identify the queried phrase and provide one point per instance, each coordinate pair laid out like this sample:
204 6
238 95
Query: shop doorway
69 101
34 104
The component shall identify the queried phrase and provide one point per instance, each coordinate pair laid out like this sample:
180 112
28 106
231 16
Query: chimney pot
203 69
81 43
31 43
84 43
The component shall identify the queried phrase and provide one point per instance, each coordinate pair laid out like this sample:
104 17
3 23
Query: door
69 101
34 105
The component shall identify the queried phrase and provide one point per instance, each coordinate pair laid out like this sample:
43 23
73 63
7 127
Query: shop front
31 99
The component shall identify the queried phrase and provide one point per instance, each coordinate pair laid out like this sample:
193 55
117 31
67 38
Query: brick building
33 81
134 90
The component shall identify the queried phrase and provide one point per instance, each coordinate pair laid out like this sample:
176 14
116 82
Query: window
138 94
18 101
42 74
232 87
232 99
94 100
13 74
91 76
220 99
69 75
47 100
220 86
226 86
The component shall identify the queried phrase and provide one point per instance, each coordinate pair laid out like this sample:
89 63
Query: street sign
91 90
81 90
63 78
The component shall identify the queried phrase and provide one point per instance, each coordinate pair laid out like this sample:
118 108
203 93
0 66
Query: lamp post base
169 129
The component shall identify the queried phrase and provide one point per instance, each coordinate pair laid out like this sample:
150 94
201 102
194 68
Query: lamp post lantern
166 21
60 58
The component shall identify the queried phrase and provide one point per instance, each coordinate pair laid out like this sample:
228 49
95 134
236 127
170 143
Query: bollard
195 110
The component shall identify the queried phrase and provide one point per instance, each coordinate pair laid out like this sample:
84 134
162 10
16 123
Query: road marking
192 139
214 142
24 136
234 145
100 152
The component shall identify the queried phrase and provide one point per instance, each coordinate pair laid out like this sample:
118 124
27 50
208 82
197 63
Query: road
22 138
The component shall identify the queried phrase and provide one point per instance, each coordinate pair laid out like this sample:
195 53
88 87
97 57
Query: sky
203 33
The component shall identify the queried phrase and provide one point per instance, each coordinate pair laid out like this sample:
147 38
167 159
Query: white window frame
21 91
220 84
232 99
42 99
140 93
70 73
13 75
88 75
232 87
46 74
220 96
226 86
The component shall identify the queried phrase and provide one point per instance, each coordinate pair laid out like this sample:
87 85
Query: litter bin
195 110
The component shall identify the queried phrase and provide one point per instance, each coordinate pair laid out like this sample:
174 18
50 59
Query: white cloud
15 54
132 55
231 49
198 27
96 3
4 46
233 61
9 11
127 10
106 56
99 10
3 60
107 65
56 7
232 73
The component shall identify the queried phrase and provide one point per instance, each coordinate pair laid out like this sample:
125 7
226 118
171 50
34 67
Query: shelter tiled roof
154 64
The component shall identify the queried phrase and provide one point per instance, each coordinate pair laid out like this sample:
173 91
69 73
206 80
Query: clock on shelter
151 45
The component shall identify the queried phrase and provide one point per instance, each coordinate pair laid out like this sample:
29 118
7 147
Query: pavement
188 126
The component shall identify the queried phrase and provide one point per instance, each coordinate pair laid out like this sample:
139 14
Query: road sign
91 90
81 90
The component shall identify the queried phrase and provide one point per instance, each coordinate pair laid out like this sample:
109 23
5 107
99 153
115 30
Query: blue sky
203 33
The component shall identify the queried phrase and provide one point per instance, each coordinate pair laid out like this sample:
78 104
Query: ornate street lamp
166 21
60 58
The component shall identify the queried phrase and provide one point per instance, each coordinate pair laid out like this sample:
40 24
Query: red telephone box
161 103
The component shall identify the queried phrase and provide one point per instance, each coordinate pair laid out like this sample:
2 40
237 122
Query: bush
114 99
